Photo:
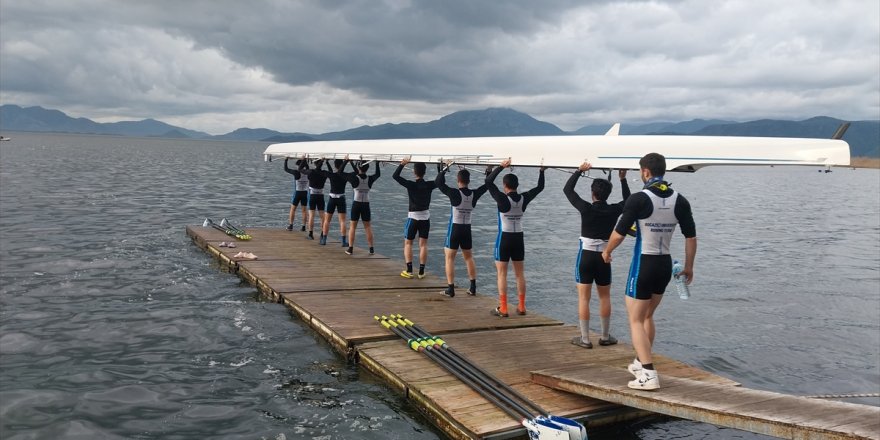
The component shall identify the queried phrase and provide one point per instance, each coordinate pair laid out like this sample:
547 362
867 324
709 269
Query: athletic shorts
412 226
648 275
510 246
299 198
316 201
459 236
590 268
360 211
337 203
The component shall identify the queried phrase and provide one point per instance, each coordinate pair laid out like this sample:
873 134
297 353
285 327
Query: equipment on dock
539 424
227 229
683 153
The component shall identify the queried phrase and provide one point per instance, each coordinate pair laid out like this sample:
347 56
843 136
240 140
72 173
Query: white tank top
656 231
362 190
511 221
302 184
461 214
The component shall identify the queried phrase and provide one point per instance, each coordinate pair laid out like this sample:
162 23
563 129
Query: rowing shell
683 153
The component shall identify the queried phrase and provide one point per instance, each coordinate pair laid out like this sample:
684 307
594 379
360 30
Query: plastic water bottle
679 280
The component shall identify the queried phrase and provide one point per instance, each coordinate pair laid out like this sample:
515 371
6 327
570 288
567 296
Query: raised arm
529 195
376 174
396 175
440 181
493 189
573 197
288 170
624 185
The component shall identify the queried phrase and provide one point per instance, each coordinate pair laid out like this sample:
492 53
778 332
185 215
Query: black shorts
459 235
316 201
299 198
360 211
648 275
412 226
590 267
337 203
510 246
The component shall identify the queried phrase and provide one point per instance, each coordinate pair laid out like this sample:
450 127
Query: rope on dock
843 396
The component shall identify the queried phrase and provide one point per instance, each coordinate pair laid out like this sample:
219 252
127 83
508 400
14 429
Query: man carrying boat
656 210
458 234
360 206
300 195
338 178
510 244
419 217
317 180
597 223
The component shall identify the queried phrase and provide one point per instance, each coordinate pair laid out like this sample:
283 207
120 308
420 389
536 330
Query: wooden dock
338 295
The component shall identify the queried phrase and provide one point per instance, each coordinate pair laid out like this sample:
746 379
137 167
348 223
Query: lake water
113 325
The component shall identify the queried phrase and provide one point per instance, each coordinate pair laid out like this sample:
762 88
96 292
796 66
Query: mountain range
862 136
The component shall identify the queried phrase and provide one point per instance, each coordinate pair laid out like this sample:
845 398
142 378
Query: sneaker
290 227
406 274
634 368
497 312
610 340
646 380
303 228
323 240
448 292
422 275
311 235
349 250
371 251
579 341
469 292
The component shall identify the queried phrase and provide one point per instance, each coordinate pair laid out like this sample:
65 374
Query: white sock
584 325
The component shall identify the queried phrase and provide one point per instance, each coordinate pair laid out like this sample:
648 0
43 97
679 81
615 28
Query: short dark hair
338 163
655 163
419 169
464 176
510 181
364 167
601 189
299 162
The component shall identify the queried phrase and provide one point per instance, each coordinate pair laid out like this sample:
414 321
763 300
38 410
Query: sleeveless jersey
461 214
362 190
511 221
655 232
301 184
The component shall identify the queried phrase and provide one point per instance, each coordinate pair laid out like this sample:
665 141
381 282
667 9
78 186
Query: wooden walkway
764 412
338 295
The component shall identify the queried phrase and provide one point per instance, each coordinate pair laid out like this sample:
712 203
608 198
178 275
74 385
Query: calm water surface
113 325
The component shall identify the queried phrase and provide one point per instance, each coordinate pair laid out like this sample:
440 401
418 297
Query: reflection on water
113 325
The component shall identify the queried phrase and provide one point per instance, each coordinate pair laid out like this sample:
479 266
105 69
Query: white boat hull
683 153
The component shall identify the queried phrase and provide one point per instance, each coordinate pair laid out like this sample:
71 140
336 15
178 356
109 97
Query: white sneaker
635 368
646 380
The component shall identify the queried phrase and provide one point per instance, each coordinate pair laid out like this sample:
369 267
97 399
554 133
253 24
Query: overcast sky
326 65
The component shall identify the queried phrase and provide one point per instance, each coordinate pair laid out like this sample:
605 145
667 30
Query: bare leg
639 311
423 250
584 301
325 222
519 270
292 215
369 229
341 218
450 265
501 269
311 220
407 251
352 226
469 262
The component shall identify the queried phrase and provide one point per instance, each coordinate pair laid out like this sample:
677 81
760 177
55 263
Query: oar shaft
488 394
421 332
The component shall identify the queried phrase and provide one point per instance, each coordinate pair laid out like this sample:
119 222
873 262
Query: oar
497 382
428 350
539 427
226 231
575 429
238 232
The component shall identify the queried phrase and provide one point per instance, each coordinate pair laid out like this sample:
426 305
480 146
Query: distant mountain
15 118
862 136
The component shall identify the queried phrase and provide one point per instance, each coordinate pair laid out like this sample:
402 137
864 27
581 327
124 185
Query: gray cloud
327 65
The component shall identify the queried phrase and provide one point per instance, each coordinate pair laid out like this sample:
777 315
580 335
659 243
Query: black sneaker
371 251
303 228
450 292
290 227
311 235
349 250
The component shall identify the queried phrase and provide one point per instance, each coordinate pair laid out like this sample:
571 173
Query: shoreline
864 162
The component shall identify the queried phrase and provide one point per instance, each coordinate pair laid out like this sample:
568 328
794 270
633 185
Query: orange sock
522 303
502 299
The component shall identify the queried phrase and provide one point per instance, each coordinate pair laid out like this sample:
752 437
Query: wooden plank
758 411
